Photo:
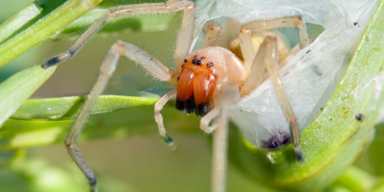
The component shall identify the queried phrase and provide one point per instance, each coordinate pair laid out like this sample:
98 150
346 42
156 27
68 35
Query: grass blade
44 27
69 107
18 88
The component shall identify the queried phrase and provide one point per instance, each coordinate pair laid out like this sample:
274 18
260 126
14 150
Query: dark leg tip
299 155
168 140
92 183
45 65
51 62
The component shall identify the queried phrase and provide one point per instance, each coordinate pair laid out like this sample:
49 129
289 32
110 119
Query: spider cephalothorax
196 85
203 71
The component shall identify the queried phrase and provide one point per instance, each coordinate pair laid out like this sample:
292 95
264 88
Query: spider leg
182 48
246 31
223 98
184 41
213 32
159 119
246 47
257 68
271 65
108 66
220 153
291 21
204 122
227 97
268 57
231 31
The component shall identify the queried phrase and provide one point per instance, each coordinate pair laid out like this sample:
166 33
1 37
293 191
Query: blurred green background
140 163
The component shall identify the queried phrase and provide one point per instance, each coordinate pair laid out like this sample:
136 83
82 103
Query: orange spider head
196 85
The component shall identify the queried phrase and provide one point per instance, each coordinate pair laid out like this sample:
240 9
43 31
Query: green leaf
120 124
19 87
334 140
69 107
372 160
17 20
356 180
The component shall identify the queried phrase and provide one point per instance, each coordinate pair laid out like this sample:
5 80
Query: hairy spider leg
159 119
107 68
220 153
262 25
272 66
120 48
291 21
204 122
184 41
256 64
212 36
268 57
227 97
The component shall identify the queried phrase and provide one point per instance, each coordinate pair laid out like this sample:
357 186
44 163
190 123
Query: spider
207 80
